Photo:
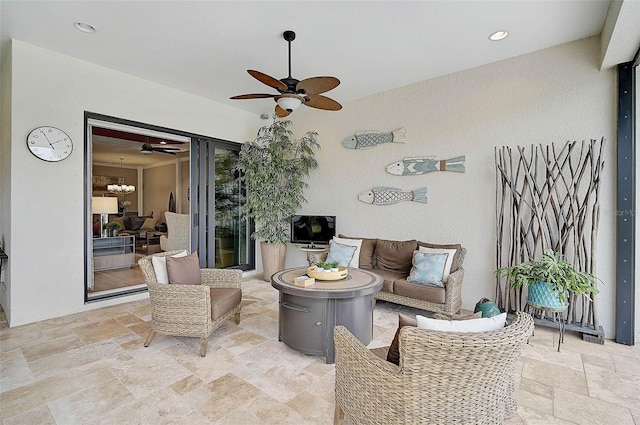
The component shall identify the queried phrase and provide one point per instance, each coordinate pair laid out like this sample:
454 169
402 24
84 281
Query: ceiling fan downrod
291 82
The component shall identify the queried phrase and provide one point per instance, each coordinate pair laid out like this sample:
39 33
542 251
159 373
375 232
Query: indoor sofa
393 261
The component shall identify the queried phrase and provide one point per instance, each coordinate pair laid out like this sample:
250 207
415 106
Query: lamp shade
104 205
289 103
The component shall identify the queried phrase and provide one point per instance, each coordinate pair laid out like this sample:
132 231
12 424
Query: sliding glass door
221 231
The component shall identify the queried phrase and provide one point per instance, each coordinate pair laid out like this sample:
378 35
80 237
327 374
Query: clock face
49 143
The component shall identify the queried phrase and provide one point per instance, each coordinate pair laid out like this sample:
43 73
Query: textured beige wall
549 96
65 88
159 182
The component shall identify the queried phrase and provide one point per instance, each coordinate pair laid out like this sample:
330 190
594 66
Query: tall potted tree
274 167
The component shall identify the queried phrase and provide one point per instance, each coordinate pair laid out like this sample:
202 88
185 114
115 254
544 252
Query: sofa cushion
184 270
431 293
428 268
224 300
395 255
388 279
355 260
343 254
366 251
456 258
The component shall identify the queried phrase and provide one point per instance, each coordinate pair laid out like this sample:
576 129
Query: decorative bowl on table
325 275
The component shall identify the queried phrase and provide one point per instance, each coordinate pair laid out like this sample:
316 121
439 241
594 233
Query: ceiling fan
293 92
148 149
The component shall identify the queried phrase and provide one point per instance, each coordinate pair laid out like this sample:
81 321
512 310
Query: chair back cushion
184 270
484 324
160 266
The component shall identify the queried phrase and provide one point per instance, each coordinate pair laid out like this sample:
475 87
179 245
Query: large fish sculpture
370 139
425 164
392 195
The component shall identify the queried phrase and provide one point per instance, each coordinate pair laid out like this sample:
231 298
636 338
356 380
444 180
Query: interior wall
130 176
183 203
159 182
550 96
54 89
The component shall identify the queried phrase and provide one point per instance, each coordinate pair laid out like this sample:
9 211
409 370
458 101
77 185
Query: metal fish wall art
381 195
371 139
418 165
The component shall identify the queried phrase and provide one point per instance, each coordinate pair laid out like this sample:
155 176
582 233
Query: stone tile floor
91 368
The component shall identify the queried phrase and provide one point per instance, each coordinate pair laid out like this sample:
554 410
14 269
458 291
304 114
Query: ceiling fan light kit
293 92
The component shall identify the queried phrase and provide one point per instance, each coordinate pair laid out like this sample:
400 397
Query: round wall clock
49 143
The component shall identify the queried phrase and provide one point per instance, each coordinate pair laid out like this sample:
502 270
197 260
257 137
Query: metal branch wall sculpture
547 197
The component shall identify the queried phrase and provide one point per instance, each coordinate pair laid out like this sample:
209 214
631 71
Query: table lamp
104 206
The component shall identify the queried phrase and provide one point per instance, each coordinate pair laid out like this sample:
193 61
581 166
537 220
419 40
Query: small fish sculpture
392 195
370 139
415 166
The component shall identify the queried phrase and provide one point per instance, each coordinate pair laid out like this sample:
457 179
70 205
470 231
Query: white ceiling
205 47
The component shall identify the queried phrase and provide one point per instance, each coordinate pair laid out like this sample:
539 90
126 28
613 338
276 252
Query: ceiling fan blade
253 96
266 79
317 85
322 102
281 112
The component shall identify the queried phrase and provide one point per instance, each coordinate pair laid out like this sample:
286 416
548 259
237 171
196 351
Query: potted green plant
273 168
113 227
549 280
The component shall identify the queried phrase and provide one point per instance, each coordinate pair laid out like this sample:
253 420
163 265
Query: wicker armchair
443 378
186 310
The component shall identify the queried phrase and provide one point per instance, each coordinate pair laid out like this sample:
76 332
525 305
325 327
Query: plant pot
544 295
273 259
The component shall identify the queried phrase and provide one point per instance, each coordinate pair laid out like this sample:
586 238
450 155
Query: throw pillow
393 355
184 270
428 268
160 266
395 256
136 223
451 253
484 324
456 258
149 223
343 254
355 261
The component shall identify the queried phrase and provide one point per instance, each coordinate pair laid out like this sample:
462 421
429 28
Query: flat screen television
312 229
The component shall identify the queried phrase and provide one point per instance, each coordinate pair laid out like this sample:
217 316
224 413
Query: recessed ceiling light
84 27
498 35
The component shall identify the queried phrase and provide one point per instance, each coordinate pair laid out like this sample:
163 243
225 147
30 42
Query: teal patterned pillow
428 268
340 253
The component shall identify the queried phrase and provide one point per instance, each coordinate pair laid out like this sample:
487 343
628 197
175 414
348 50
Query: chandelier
121 188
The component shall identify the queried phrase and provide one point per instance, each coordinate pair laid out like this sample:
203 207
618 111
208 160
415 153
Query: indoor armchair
192 310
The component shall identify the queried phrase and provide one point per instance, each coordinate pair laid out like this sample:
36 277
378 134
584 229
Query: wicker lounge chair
443 377
192 310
